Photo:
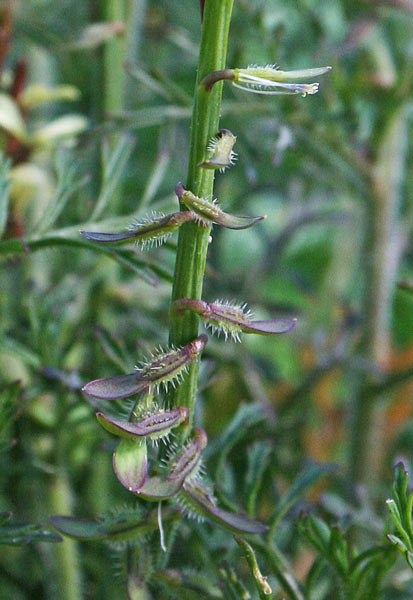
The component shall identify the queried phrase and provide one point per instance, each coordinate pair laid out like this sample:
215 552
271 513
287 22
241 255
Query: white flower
271 81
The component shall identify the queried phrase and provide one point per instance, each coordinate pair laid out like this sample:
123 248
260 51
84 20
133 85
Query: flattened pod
162 367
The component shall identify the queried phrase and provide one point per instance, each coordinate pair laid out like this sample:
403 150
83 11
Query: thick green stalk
193 240
382 249
68 581
114 55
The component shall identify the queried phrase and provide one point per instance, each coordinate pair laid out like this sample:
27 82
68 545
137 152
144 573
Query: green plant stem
382 250
67 572
114 54
280 570
193 240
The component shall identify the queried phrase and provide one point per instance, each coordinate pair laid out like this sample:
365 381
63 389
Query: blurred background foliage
95 107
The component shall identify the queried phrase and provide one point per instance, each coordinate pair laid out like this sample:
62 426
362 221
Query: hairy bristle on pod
209 212
231 319
164 366
170 365
156 425
146 232
197 501
186 464
271 81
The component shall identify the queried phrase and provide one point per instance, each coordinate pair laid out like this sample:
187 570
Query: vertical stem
193 240
114 52
381 256
67 569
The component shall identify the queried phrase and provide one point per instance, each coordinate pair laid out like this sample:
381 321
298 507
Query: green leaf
258 460
19 534
188 585
8 408
143 269
15 348
113 171
122 526
246 416
69 183
308 476
5 516
394 513
397 542
113 348
261 582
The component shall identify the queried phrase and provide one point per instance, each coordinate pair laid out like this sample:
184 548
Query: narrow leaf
303 481
116 527
261 582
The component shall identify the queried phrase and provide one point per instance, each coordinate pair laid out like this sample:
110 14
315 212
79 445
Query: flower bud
222 156
271 81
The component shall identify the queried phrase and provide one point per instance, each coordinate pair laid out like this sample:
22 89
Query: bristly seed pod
162 367
158 424
232 319
221 149
145 232
198 502
209 212
183 467
187 463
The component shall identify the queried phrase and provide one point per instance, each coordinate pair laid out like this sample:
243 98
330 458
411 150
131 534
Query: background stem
382 251
193 240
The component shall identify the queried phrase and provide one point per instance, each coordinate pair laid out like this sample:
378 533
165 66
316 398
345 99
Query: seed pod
197 501
156 425
184 466
162 367
209 212
130 463
232 319
145 232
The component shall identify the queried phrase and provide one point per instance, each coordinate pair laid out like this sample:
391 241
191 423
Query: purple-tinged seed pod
145 232
162 367
185 466
154 426
130 463
232 319
197 501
